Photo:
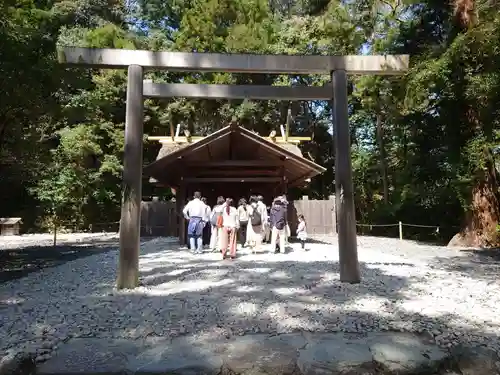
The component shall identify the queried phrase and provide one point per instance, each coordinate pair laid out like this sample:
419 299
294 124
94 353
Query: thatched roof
10 220
170 148
293 148
296 167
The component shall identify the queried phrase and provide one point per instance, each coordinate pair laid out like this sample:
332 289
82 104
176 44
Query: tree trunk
382 153
466 12
484 214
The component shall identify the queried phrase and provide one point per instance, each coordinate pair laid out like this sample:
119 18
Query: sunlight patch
183 287
248 289
304 323
245 309
290 291
178 272
259 270
280 275
12 301
372 305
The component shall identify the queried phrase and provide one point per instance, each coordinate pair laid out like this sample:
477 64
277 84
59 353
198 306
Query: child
302 231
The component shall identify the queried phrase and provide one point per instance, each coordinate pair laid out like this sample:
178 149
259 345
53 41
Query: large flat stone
16 363
181 355
297 340
405 353
476 361
334 354
287 354
91 356
262 355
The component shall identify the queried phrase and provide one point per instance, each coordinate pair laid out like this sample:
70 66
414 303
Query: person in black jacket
278 222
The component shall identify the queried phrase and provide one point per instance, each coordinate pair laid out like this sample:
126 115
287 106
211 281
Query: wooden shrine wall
161 219
319 214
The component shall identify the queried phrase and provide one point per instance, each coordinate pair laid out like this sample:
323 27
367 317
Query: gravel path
21 255
406 287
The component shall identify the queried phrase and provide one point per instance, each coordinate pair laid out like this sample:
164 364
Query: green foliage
71 187
418 141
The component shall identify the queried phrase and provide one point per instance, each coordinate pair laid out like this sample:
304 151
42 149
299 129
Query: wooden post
289 120
331 198
348 252
282 184
128 267
182 222
172 131
178 210
54 239
401 231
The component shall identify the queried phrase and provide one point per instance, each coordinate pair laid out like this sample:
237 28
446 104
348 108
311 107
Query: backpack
280 218
220 221
255 218
214 220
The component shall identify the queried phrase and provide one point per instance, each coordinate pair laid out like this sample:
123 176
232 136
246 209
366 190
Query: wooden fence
160 218
319 214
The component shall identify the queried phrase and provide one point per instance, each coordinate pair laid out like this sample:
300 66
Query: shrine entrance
137 61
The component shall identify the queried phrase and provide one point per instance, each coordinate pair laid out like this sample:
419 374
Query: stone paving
295 353
434 293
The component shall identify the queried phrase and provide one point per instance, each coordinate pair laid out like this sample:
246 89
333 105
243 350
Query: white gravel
406 286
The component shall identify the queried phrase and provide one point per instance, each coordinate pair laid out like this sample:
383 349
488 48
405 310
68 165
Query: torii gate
136 61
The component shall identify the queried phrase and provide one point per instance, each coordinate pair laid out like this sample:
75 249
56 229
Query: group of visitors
251 223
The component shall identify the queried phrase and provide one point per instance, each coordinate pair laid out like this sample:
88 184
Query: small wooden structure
233 162
10 226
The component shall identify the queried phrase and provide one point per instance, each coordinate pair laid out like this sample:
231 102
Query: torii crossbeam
137 61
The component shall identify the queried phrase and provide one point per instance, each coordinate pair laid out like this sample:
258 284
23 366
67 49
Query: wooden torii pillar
135 61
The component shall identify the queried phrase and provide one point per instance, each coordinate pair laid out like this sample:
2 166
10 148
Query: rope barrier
421 226
377 225
401 225
149 228
407 225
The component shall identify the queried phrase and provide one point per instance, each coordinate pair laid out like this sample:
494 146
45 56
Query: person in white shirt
302 231
208 210
230 225
257 214
195 211
216 227
266 232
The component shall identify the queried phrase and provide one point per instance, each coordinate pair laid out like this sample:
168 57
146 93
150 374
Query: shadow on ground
18 262
477 263
200 301
232 298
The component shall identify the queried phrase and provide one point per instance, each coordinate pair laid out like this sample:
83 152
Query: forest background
423 145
